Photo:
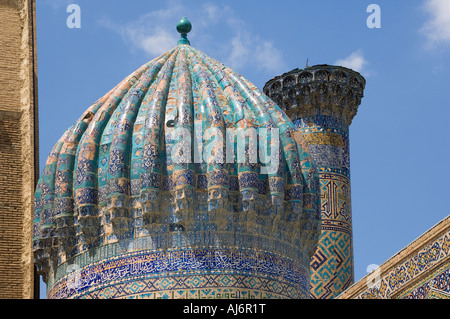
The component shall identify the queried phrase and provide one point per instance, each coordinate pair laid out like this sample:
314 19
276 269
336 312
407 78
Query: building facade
18 147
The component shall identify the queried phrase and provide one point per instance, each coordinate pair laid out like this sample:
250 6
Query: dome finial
184 27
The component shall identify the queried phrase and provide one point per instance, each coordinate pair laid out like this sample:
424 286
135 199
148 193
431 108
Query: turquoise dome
146 171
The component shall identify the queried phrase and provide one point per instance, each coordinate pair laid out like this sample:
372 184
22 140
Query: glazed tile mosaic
430 265
322 101
142 170
436 286
419 271
187 272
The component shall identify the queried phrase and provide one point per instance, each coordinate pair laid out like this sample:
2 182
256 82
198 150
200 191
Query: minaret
321 101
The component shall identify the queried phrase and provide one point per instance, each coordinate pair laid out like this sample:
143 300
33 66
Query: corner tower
321 101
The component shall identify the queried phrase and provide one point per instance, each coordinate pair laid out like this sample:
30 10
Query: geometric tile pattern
424 274
436 287
239 289
187 273
332 263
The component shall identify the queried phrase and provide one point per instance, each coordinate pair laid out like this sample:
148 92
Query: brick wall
18 147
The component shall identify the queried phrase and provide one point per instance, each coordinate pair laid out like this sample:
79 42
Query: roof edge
414 247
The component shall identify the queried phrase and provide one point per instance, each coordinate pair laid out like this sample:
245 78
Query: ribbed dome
149 161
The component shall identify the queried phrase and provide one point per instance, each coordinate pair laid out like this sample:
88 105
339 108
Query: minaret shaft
322 101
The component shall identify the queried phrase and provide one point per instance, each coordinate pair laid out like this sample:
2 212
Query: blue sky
399 139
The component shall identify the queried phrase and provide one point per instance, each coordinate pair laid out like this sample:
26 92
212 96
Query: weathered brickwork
18 147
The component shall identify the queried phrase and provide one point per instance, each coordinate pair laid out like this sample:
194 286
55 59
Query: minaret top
184 26
319 89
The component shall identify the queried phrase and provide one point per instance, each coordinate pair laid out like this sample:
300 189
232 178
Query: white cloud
247 49
154 33
439 69
268 57
213 12
151 32
239 51
437 28
155 43
354 61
